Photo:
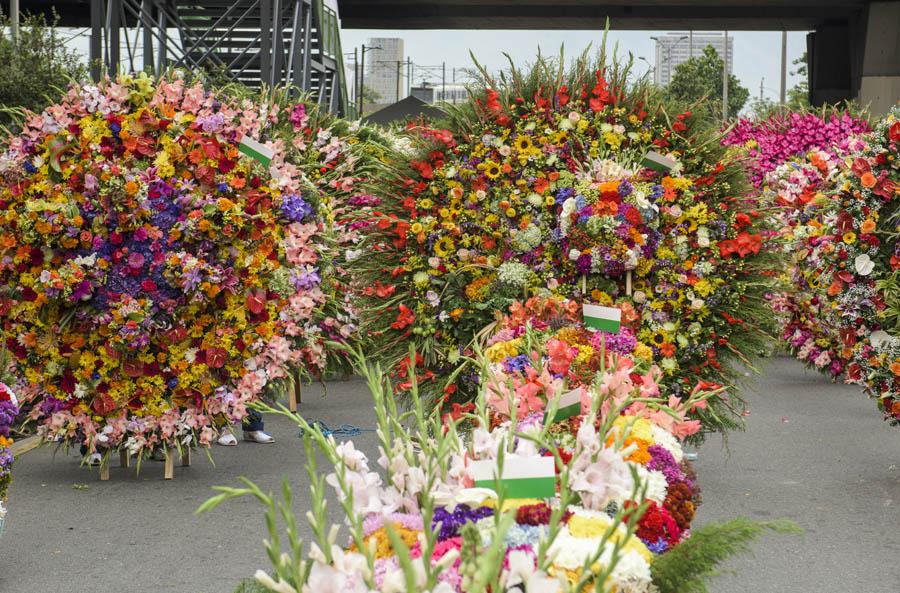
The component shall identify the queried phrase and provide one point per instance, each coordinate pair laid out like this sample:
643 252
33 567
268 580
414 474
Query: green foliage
687 567
36 69
699 80
251 586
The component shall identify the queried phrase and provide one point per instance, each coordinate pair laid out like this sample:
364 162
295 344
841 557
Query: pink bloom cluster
773 141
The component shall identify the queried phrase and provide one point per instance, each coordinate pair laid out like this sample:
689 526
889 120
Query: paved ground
814 452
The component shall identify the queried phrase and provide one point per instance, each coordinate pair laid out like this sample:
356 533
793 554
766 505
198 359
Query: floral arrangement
773 141
427 522
797 190
554 187
154 279
8 411
860 259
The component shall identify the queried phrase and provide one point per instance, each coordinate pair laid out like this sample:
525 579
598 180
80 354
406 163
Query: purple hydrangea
451 522
295 208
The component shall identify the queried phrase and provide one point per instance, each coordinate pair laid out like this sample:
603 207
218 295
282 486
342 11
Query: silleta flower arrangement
861 262
568 186
154 278
8 411
599 501
797 191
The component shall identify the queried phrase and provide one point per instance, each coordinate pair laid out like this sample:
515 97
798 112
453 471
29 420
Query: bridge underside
699 15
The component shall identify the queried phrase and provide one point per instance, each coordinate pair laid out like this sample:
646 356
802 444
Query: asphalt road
814 452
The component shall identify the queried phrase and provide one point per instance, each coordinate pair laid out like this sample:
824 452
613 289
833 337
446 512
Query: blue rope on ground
342 431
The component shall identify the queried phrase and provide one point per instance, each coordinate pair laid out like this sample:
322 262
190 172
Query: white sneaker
227 439
258 436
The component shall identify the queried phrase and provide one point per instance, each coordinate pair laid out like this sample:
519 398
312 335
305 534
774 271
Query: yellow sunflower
523 143
443 246
491 169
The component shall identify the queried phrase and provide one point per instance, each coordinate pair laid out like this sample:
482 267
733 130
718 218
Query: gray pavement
814 452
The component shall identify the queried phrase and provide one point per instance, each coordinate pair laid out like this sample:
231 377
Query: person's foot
258 436
227 439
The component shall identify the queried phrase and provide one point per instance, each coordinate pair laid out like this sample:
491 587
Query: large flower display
861 261
154 279
598 500
575 188
797 191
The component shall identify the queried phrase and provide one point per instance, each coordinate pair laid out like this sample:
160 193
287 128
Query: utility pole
398 80
14 20
691 44
409 75
362 81
782 95
725 81
444 81
761 81
356 92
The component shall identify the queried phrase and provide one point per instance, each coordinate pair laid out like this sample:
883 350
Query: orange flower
868 180
895 368
867 226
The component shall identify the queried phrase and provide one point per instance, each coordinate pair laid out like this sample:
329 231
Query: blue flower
295 208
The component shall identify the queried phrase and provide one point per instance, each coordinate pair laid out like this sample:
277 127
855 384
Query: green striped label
523 477
256 150
569 404
657 162
608 319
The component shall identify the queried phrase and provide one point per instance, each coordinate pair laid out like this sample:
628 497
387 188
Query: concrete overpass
853 47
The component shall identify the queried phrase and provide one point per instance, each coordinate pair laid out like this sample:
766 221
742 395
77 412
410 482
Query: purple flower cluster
514 364
295 208
623 342
662 461
8 411
452 521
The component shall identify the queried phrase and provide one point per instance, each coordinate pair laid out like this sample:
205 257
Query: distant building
450 93
383 74
438 93
423 93
676 48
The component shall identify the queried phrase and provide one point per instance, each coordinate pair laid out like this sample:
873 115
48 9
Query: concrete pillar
880 84
829 63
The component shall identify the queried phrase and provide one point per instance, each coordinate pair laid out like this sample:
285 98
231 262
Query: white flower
269 583
631 574
574 254
639 296
880 338
667 441
605 479
864 265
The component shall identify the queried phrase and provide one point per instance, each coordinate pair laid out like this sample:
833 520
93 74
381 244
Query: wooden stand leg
104 468
169 470
292 397
186 458
124 459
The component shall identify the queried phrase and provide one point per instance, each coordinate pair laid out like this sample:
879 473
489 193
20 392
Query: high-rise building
676 48
385 68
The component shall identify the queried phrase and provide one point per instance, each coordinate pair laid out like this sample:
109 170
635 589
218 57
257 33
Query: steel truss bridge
293 43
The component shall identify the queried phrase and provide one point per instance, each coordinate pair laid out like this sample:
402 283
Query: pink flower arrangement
773 141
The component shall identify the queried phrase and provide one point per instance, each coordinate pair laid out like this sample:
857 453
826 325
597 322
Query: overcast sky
757 55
